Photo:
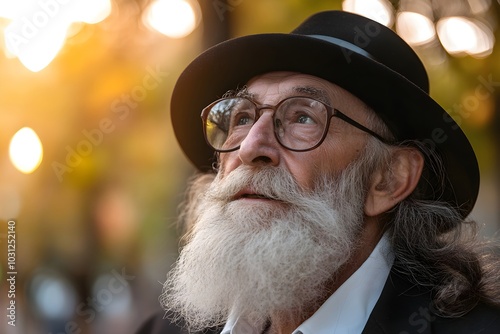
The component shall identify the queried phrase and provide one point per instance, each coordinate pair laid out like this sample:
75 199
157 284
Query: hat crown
376 40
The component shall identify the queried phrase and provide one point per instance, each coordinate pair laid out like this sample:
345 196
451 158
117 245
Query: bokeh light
25 150
415 28
54 296
461 35
377 10
38 30
173 18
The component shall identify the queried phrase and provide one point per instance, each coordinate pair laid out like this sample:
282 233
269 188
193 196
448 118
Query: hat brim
408 111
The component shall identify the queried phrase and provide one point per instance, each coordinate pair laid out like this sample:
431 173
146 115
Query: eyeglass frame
331 112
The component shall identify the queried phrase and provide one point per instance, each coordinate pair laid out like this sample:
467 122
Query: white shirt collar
348 309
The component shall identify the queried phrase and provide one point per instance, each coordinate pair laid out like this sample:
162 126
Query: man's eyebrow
239 92
317 93
310 91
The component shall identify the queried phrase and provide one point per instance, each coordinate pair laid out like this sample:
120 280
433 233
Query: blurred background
90 172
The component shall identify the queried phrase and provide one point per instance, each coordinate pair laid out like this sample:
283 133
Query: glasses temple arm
337 113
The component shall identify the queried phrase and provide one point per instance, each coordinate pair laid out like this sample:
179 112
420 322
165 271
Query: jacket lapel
402 308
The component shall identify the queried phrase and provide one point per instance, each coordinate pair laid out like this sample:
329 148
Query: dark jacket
403 308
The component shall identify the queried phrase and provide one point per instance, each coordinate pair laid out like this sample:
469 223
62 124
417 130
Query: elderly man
334 195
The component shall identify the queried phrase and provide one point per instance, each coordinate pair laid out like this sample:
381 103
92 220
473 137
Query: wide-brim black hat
365 58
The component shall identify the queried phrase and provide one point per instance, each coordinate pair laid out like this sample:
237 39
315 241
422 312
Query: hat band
344 44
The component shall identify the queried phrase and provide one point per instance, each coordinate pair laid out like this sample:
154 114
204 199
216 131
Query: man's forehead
285 84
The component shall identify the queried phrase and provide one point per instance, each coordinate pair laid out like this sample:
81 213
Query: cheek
308 167
333 158
304 173
228 162
338 154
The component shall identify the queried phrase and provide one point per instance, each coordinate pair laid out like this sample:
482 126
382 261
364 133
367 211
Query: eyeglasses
300 123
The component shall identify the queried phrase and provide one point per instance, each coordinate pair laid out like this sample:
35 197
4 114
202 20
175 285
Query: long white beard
270 259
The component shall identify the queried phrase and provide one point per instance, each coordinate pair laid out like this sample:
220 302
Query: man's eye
242 118
243 121
305 119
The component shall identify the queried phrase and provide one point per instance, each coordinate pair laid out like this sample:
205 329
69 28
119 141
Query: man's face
342 143
275 228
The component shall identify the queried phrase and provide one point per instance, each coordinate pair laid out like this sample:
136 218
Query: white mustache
271 182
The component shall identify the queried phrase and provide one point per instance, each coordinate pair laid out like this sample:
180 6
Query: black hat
365 58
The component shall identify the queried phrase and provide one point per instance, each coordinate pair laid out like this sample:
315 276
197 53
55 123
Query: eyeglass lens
299 122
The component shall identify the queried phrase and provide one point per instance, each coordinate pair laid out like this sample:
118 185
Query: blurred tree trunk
216 21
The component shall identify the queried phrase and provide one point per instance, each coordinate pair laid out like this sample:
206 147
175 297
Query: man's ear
389 186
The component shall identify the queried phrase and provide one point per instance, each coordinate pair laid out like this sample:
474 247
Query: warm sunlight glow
25 150
173 18
93 11
415 28
38 29
377 10
36 53
461 35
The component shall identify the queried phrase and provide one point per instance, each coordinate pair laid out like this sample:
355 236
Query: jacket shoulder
483 319
405 308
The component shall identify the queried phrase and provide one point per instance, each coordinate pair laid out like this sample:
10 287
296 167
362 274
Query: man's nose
260 146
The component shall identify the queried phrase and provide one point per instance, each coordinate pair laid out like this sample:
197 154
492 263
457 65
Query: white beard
259 261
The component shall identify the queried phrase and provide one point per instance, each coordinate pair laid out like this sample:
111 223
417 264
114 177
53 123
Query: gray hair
433 244
441 250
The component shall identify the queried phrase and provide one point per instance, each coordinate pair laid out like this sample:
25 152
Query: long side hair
439 249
